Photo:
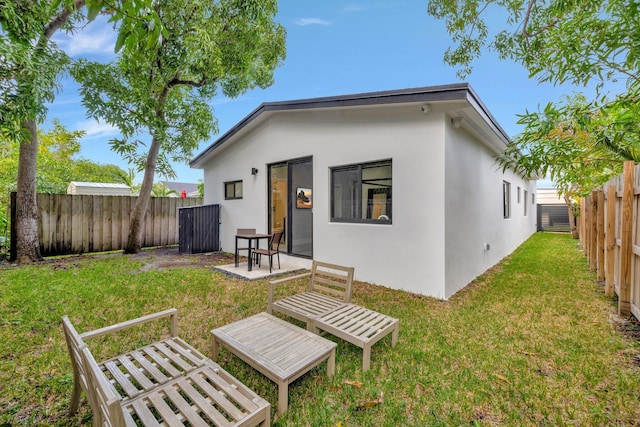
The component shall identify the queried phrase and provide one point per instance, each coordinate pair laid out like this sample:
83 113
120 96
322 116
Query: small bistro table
250 238
279 350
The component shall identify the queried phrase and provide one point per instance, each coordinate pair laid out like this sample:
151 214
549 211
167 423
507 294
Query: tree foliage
161 190
557 41
29 69
58 164
579 143
577 147
163 90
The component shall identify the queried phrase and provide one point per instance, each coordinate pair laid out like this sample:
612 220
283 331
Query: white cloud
311 21
96 38
353 8
97 129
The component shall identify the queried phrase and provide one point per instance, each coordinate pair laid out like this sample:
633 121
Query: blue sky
333 48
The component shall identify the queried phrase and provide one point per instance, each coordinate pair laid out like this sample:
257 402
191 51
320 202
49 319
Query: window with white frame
362 193
526 193
506 199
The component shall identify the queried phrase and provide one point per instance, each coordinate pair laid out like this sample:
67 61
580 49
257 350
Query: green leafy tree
227 45
557 41
57 156
29 70
578 148
579 143
200 188
161 190
130 181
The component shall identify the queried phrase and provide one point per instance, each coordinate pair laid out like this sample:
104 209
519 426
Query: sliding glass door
291 204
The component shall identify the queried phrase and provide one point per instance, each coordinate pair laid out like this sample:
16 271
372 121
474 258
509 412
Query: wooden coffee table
279 350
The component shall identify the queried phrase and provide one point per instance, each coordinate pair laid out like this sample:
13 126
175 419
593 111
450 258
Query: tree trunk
572 219
27 242
136 225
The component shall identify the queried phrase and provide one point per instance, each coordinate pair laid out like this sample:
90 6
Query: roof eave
450 92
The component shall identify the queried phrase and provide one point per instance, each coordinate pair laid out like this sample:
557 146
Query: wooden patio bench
329 287
327 306
167 383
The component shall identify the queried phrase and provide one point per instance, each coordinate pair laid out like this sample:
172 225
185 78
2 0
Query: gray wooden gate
553 218
199 229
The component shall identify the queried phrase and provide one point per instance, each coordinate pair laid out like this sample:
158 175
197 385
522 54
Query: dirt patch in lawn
153 259
168 257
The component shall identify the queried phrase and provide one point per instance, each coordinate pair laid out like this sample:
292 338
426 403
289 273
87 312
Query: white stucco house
402 185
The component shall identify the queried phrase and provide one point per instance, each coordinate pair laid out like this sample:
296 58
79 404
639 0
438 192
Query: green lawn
530 343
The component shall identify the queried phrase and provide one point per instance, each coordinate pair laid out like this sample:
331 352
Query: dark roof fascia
483 111
451 92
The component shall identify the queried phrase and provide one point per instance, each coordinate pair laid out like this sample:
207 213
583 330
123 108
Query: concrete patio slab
257 273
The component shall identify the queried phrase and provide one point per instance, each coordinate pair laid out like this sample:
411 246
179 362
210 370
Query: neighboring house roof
99 184
189 187
472 110
548 196
98 188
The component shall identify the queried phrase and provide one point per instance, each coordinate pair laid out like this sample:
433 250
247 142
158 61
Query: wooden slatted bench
329 287
326 305
359 326
167 383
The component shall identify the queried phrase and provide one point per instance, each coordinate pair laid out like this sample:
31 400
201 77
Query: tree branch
527 17
61 18
176 81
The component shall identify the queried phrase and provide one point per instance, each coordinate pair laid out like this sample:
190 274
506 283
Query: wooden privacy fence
73 224
609 233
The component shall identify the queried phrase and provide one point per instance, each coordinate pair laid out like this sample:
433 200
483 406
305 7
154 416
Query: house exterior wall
474 210
408 254
447 193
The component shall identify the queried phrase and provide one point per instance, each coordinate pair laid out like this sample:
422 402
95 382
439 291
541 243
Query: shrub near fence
610 235
73 224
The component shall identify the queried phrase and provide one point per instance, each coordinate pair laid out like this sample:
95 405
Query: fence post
581 228
593 234
587 228
600 237
610 247
626 249
13 233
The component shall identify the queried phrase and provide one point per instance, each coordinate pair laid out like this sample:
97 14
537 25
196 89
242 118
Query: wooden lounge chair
329 287
326 307
167 383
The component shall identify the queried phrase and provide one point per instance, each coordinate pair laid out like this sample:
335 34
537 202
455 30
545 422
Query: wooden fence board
618 216
626 254
610 236
86 223
600 238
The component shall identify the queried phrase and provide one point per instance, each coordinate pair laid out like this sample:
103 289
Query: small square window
233 190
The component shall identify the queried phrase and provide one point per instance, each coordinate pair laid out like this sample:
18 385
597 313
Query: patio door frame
291 203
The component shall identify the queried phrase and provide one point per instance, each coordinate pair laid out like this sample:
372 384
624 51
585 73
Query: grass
531 342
